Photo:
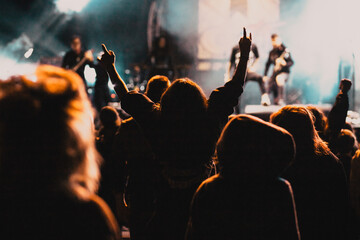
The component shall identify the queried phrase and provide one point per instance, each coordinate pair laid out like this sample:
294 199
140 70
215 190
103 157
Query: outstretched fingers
245 34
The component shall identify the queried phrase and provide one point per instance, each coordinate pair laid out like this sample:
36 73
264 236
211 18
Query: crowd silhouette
181 167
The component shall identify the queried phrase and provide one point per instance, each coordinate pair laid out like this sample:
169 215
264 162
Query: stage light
71 5
11 67
110 85
90 75
28 53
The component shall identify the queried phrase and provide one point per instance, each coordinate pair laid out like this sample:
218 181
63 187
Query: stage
264 112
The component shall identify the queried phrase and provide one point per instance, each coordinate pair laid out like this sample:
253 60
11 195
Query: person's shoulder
69 53
330 158
210 183
329 163
98 205
134 97
283 184
208 189
128 123
212 180
100 215
356 156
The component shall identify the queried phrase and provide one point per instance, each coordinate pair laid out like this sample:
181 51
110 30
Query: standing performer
76 59
280 57
160 59
251 71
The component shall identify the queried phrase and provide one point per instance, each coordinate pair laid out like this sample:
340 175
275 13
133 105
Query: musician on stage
76 59
251 75
160 58
280 57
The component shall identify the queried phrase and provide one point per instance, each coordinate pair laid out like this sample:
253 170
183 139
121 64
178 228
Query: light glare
28 53
71 5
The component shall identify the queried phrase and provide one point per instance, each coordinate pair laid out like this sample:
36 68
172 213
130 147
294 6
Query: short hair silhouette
109 117
156 87
74 37
346 142
274 35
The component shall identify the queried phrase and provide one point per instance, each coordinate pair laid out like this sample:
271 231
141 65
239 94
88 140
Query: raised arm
223 99
337 116
240 72
107 60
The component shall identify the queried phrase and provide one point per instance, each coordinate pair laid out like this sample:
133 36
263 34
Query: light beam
69 6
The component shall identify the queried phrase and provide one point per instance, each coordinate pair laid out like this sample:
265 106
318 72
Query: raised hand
107 59
89 55
245 44
345 85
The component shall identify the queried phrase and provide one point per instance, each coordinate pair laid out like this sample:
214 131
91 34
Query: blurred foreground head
250 148
46 134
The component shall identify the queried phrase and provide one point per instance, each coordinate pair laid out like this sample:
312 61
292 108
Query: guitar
83 60
280 60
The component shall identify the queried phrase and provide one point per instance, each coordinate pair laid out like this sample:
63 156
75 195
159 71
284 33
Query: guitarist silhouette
76 59
280 57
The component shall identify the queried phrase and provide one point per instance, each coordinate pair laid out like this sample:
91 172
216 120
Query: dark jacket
229 209
321 196
193 148
273 55
55 216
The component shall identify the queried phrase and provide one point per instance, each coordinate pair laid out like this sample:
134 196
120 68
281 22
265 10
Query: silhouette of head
162 42
346 142
75 44
348 126
252 148
275 40
183 99
320 119
109 117
183 113
156 86
46 133
300 123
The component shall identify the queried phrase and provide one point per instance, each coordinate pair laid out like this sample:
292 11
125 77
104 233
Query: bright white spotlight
110 85
90 75
28 53
71 5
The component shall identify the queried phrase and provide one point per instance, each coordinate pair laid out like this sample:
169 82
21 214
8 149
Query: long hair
183 99
183 112
319 120
249 147
299 121
46 134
